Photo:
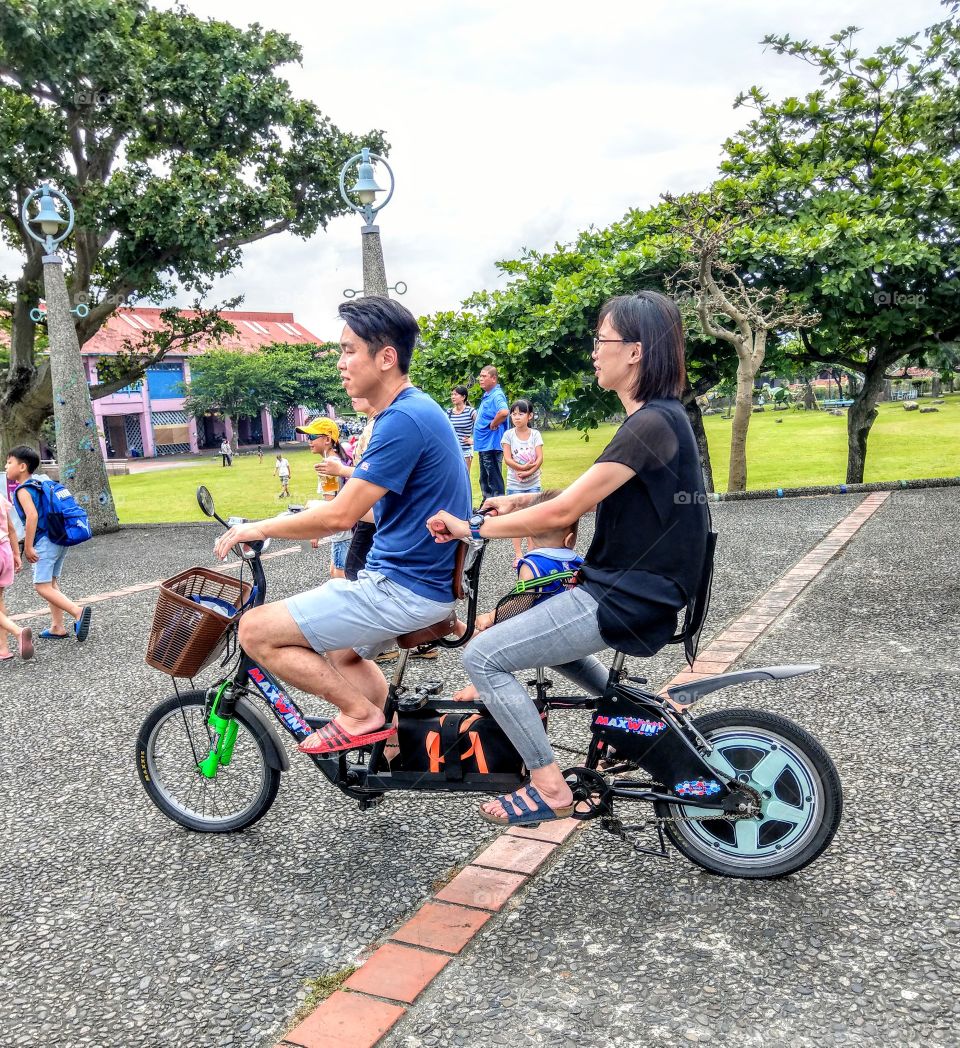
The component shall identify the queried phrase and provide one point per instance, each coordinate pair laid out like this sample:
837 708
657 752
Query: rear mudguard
262 726
687 693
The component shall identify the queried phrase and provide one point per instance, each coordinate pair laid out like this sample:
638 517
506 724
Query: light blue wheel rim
792 801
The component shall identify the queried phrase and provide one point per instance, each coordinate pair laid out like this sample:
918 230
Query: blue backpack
59 516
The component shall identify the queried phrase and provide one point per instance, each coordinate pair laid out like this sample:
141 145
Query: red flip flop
331 738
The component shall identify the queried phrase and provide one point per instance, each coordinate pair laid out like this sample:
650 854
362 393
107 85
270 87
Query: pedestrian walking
226 452
523 453
10 564
463 418
259 453
488 431
282 471
46 556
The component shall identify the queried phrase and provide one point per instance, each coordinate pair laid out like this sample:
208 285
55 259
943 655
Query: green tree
178 143
858 186
539 327
226 381
736 309
299 376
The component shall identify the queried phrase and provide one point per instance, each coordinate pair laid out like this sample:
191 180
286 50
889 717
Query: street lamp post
365 190
78 446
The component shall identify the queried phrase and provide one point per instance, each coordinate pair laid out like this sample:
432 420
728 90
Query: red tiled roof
253 330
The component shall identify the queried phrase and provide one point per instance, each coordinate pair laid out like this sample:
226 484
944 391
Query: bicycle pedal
429 687
413 703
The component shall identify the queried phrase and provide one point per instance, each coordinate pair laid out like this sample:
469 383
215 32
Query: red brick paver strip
397 971
480 887
345 1020
516 854
555 832
441 927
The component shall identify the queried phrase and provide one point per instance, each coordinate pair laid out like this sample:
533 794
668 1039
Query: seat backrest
459 592
696 611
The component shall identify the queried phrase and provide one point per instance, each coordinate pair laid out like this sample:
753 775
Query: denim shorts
367 615
50 564
512 490
338 553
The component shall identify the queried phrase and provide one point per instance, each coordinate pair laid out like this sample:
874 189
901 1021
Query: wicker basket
185 636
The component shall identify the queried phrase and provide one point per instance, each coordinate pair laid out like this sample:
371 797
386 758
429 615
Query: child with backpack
9 566
47 511
547 569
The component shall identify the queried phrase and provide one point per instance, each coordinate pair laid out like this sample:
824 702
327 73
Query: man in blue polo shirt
322 641
488 432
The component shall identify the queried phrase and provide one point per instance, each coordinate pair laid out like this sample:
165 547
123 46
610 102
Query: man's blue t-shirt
416 456
485 438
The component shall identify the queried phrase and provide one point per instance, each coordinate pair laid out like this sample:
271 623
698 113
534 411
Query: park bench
835 403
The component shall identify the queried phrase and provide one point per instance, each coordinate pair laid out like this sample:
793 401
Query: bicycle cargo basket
191 620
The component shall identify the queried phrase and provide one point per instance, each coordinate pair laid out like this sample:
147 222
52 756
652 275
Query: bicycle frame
675 752
671 750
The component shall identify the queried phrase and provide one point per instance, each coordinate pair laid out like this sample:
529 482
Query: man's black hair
382 322
27 455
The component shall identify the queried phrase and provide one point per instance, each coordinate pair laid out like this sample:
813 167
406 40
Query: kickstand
616 827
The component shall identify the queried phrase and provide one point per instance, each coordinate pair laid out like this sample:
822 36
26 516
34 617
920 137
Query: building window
164 381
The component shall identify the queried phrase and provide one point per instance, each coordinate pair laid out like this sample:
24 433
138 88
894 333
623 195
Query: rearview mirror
205 501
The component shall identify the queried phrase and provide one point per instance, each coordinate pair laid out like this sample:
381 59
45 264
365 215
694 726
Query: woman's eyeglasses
598 342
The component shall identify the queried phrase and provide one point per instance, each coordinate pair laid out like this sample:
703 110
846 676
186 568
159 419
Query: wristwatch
475 523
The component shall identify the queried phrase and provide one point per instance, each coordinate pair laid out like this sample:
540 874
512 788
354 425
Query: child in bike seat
546 570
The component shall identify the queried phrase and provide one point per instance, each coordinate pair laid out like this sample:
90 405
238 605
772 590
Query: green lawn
785 449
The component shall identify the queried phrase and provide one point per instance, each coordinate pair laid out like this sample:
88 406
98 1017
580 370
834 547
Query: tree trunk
276 430
935 386
692 409
809 401
737 476
27 399
79 455
861 416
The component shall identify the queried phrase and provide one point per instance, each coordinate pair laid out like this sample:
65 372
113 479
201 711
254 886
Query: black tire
173 738
807 789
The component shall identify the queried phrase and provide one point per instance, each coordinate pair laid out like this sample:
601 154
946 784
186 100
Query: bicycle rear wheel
801 799
173 740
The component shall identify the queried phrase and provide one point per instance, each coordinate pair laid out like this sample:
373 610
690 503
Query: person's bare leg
356 687
551 786
517 551
7 625
59 603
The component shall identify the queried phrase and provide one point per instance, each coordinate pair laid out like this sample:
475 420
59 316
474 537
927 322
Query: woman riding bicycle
644 563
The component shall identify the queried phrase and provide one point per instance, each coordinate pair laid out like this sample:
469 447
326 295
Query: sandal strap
541 805
332 732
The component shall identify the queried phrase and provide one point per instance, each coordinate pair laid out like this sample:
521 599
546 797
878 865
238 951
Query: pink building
147 418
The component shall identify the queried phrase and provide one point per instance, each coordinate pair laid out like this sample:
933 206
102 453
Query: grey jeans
560 632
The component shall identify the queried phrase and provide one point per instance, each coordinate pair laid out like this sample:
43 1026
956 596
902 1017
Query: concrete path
119 928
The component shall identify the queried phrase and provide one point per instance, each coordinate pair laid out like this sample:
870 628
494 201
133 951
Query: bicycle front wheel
174 739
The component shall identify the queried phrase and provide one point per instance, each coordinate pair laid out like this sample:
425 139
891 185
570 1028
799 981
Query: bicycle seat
446 626
423 636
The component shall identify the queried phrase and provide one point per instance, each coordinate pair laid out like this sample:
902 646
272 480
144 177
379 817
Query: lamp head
48 218
366 187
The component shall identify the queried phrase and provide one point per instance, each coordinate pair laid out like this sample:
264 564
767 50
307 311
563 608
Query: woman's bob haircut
654 321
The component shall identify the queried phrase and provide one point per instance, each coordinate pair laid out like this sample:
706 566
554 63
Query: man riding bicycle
322 641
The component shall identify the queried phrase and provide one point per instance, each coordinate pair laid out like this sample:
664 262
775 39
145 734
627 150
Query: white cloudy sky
517 123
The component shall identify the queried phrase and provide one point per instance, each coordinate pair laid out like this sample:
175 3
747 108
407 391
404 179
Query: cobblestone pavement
611 949
118 928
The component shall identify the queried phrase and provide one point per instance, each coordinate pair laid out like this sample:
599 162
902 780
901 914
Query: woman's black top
647 554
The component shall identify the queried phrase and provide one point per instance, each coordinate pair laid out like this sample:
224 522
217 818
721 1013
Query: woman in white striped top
462 418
